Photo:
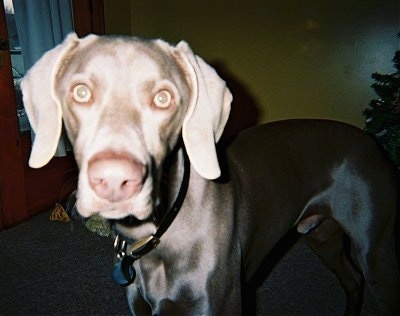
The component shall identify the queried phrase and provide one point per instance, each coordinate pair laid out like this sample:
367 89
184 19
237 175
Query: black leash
123 272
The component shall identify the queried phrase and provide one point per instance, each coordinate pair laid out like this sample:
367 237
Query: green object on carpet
98 225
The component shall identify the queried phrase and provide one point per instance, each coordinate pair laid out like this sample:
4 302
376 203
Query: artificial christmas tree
382 118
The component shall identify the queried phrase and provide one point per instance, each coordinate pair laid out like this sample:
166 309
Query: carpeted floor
56 268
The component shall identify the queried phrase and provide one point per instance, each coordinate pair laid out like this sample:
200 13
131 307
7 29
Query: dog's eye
162 99
81 93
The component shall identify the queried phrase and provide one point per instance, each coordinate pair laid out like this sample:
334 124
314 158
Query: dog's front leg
183 303
174 287
136 302
160 293
138 306
165 288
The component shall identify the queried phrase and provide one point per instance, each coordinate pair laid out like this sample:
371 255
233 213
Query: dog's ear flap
41 105
207 114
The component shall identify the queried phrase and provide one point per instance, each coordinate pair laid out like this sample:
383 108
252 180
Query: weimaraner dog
194 220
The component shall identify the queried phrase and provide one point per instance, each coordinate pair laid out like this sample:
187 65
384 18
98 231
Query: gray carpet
56 268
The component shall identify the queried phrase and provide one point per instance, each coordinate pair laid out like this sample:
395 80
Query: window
17 62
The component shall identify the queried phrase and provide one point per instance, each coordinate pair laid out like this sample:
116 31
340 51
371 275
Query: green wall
307 58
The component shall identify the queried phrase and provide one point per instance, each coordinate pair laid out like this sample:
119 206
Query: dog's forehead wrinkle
147 54
120 54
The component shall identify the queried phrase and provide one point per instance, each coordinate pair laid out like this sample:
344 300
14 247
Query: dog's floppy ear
207 114
42 106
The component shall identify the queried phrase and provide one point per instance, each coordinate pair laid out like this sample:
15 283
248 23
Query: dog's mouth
131 228
132 221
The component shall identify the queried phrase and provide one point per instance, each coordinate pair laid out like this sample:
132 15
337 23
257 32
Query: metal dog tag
123 272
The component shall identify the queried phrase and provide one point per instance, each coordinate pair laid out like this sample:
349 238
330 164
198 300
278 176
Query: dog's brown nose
115 177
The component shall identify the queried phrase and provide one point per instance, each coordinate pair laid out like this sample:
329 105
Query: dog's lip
121 211
120 231
131 221
130 228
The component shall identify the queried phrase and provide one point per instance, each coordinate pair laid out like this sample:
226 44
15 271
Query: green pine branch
382 117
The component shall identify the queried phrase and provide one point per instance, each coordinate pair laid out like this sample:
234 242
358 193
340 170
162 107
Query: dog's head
124 103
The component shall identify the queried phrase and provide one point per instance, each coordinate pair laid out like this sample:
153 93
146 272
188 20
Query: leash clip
120 246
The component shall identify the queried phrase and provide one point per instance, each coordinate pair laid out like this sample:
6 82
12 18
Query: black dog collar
123 272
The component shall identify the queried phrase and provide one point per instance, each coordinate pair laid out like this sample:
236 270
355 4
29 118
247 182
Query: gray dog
193 219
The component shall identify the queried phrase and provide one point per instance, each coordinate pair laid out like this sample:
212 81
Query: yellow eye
162 99
81 93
